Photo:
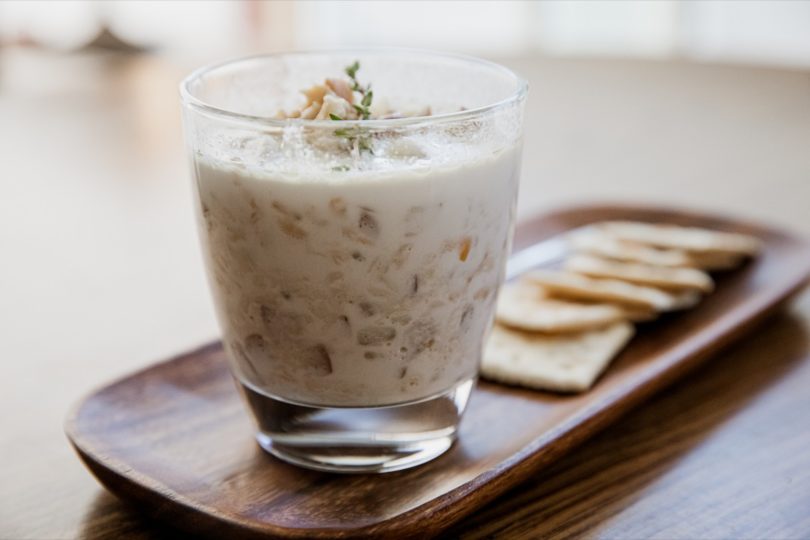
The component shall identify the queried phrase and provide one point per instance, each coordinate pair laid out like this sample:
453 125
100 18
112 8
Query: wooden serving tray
175 440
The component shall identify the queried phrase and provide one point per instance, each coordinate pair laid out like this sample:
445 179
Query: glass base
358 439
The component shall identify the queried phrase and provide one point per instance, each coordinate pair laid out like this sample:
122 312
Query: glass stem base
358 439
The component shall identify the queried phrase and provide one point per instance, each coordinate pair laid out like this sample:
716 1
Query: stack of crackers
559 329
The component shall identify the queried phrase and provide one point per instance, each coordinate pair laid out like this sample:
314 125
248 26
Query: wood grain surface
174 440
101 275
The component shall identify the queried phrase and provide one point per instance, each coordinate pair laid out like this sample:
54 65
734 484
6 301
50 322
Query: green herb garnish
357 136
365 91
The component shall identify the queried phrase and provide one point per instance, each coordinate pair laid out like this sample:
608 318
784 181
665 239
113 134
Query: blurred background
704 104
767 32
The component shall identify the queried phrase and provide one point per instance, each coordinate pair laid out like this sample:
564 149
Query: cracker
692 239
601 244
572 286
563 363
641 274
524 306
683 300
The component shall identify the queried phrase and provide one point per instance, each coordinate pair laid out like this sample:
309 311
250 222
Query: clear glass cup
354 265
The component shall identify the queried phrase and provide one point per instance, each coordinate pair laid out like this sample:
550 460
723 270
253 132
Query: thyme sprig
365 91
357 137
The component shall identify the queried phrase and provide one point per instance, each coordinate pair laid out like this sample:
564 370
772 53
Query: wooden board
174 439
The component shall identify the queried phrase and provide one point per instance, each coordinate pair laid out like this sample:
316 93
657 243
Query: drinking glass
354 264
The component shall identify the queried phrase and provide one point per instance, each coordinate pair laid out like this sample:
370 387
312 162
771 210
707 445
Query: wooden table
101 275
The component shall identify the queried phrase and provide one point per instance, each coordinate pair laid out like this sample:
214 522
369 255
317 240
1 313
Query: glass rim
188 99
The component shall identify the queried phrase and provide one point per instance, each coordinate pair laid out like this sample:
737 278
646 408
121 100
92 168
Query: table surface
101 275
